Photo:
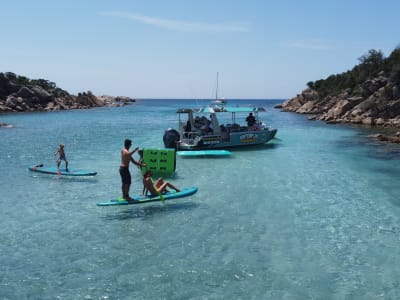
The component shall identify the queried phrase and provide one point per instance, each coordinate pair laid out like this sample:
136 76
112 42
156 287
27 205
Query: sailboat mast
216 91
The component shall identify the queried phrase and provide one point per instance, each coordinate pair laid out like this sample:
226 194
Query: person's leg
58 163
144 191
159 183
121 173
126 192
163 187
170 185
66 165
126 182
123 191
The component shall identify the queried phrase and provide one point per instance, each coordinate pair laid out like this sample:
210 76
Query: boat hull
236 139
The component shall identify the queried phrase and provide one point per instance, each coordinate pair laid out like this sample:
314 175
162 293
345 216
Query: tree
392 66
370 64
373 57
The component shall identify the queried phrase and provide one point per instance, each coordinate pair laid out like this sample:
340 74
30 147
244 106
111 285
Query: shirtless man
61 156
126 157
160 186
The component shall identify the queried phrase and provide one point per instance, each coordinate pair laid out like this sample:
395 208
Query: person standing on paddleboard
61 156
126 157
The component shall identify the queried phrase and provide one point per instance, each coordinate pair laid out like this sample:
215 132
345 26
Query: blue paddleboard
204 153
55 171
144 199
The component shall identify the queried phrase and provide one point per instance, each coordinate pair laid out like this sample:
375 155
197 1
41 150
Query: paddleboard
204 153
144 199
55 171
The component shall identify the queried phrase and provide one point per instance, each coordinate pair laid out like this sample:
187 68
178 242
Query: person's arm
140 164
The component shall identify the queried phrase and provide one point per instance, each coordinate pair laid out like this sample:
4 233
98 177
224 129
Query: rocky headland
21 94
368 95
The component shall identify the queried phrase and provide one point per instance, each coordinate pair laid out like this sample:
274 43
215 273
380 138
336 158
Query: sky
261 49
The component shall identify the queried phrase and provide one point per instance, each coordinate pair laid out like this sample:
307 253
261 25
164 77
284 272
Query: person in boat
209 128
251 120
61 156
155 188
188 128
197 122
126 158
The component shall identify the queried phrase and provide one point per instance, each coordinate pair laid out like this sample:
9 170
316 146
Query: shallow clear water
314 214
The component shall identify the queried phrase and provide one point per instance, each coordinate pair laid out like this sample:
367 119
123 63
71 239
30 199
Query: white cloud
309 44
177 25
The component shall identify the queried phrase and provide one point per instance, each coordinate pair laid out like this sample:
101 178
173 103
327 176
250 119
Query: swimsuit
125 175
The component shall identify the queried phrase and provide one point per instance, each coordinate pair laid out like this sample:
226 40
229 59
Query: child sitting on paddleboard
61 156
160 186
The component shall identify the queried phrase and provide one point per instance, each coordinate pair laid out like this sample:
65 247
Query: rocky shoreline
20 94
378 105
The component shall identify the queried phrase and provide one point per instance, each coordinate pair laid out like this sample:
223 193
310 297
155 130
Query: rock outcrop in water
369 95
21 94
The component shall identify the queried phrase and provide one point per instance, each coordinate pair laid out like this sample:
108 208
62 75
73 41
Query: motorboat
217 126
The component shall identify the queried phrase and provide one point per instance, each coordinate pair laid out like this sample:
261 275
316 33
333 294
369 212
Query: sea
312 214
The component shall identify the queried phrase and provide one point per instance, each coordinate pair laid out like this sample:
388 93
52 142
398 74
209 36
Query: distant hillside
21 94
369 94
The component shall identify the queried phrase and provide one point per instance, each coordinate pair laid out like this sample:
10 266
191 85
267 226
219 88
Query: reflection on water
146 212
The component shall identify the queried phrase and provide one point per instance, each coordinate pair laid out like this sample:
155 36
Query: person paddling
61 156
126 158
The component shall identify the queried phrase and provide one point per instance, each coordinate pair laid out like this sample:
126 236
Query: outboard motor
171 138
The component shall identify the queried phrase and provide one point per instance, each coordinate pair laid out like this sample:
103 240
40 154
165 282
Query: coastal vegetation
372 65
368 94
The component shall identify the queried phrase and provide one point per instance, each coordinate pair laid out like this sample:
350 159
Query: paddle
37 166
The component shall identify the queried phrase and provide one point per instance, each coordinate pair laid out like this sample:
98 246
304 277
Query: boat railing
190 138
257 127
190 135
233 127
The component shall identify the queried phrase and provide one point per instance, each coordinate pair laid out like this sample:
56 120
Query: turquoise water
315 214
